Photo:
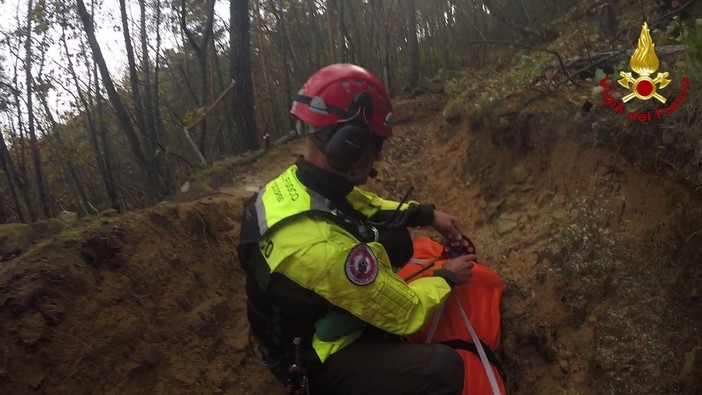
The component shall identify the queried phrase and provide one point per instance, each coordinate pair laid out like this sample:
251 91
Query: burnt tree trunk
8 168
240 69
36 156
412 44
143 161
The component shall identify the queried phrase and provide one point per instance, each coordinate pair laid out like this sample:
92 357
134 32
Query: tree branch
186 128
524 30
188 33
211 106
518 44
670 14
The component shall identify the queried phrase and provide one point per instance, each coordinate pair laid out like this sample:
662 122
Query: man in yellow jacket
323 299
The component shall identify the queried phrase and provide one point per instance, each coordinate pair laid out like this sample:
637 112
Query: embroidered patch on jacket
361 265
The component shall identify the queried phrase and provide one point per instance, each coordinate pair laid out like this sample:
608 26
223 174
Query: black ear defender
347 146
350 141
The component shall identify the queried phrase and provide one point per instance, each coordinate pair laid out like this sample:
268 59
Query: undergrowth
640 294
585 256
486 97
673 143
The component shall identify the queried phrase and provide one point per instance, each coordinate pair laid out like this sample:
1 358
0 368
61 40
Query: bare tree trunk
149 119
412 43
353 55
280 18
525 31
133 74
3 216
318 43
156 99
272 102
114 187
147 166
21 175
107 178
36 156
142 100
387 53
221 142
156 139
526 14
444 26
71 170
240 68
9 170
331 28
340 32
21 153
201 53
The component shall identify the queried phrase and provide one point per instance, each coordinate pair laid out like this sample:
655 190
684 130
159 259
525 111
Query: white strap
481 351
435 324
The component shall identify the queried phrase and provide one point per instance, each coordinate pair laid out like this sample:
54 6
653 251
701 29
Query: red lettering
660 112
620 109
608 100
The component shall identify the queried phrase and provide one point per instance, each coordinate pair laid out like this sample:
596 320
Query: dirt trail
152 302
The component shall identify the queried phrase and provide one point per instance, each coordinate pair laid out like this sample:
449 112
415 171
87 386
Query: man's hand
447 225
461 267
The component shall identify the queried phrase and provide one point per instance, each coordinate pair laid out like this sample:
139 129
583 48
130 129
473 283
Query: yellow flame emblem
644 62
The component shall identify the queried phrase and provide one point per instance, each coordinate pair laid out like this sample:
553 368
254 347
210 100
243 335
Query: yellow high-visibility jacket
305 239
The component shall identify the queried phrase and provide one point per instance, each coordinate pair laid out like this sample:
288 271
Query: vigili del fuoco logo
644 63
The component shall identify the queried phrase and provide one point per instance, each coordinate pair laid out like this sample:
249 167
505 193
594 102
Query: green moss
79 232
14 237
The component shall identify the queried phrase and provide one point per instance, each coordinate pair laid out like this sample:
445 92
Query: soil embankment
598 257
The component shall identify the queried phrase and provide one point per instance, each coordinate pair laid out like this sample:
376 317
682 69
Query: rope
481 351
435 324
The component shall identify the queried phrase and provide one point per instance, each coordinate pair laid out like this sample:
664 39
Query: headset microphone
373 173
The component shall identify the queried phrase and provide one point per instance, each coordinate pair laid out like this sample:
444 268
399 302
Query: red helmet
339 93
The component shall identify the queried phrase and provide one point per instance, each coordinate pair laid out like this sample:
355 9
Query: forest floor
600 261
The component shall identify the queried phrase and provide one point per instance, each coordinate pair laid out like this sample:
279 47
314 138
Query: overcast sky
109 36
111 43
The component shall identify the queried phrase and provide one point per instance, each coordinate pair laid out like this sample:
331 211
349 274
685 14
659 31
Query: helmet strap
318 105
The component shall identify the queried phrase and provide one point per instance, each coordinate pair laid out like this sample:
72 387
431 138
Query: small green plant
584 255
693 41
523 74
486 110
454 88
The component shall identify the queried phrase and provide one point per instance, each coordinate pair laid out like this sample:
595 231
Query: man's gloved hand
457 271
447 225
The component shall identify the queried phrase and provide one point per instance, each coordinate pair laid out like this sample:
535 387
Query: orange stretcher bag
473 306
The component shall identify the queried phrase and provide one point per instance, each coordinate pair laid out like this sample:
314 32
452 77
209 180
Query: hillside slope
598 257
